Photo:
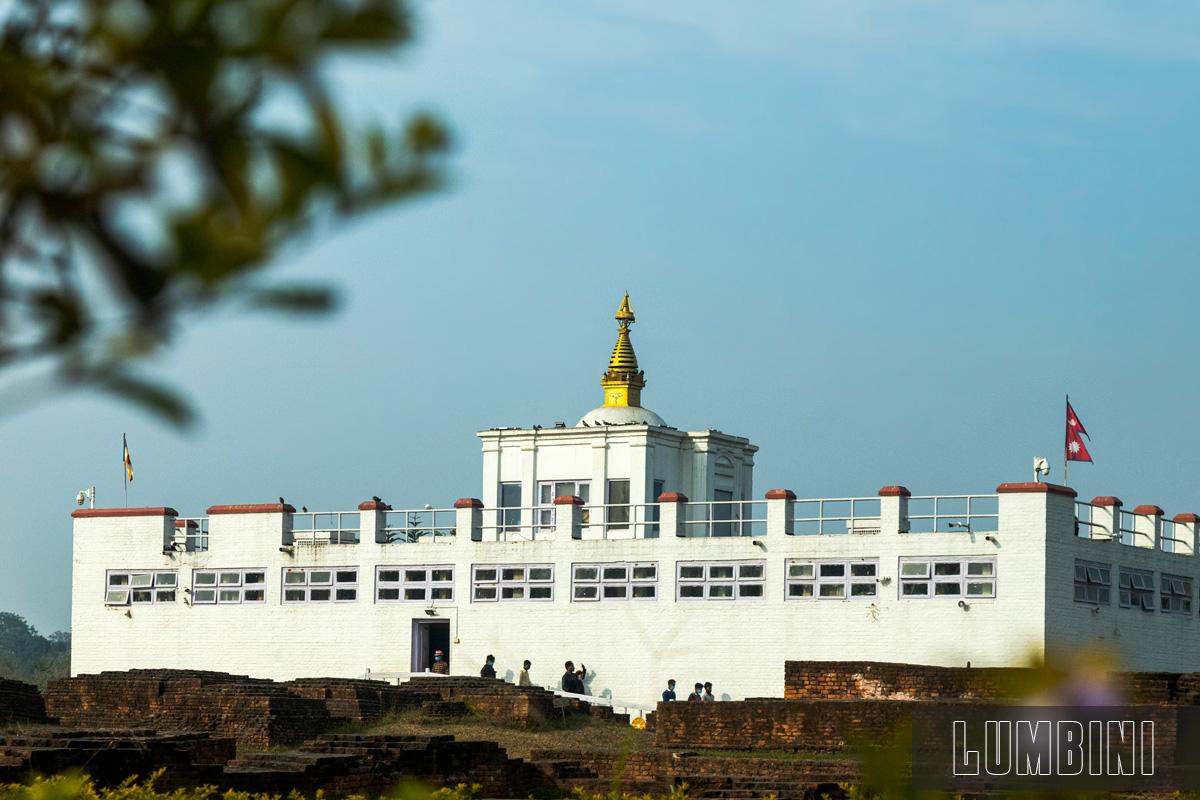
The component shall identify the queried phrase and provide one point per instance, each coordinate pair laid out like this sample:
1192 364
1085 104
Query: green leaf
296 299
154 397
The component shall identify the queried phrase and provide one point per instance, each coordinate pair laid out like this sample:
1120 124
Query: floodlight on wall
966 526
431 612
287 548
992 539
758 543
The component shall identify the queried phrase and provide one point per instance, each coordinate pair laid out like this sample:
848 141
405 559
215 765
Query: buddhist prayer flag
127 459
1076 450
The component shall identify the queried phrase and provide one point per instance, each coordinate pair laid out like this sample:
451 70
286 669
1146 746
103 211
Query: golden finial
625 312
624 381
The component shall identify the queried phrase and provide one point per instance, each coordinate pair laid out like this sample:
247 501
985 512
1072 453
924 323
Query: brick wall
20 702
876 680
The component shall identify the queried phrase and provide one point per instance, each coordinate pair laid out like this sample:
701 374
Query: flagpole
1066 455
124 468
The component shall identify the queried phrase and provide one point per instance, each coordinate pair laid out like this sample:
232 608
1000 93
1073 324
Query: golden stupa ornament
624 381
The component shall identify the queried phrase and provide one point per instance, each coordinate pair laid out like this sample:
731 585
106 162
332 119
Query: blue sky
881 240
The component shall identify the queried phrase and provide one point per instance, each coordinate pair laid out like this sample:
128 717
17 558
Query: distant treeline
28 656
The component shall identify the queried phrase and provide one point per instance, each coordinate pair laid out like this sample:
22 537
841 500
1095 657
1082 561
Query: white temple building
643 552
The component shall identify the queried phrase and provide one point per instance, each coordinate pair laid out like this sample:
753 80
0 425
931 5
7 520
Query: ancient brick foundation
20 702
875 680
659 772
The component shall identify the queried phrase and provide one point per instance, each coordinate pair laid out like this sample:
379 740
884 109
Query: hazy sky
881 240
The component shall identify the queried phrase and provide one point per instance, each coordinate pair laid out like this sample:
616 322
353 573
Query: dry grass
576 733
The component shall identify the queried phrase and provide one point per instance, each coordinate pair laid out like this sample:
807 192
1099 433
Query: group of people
489 670
572 679
702 693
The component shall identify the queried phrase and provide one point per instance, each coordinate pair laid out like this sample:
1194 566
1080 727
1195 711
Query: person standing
669 694
697 693
439 667
570 680
708 695
523 678
581 680
489 668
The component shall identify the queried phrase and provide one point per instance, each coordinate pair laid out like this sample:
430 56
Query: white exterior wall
684 460
1139 640
629 647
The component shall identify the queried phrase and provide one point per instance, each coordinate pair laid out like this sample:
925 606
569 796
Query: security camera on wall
1041 468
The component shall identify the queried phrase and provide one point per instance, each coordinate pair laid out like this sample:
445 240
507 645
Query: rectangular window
211 586
512 582
617 515
417 584
623 581
1136 587
1093 583
548 490
1175 594
320 584
951 578
510 501
140 587
712 580
831 580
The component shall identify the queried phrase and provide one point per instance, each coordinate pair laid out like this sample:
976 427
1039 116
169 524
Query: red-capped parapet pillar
781 512
372 516
468 518
1147 526
1106 518
1185 533
893 509
1029 509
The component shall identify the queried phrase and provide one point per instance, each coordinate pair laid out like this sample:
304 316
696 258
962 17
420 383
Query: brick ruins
20 702
261 714
213 728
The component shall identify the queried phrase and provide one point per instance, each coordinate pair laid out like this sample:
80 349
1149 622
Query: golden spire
624 381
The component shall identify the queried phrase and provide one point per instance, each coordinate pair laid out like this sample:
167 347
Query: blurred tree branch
156 155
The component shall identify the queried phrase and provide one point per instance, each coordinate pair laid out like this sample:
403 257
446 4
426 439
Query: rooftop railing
621 521
523 524
325 527
725 518
195 532
835 515
419 525
1090 522
955 512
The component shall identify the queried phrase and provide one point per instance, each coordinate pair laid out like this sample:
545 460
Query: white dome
620 415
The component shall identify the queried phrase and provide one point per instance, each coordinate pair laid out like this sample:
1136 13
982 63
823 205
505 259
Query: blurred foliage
67 787
156 155
26 655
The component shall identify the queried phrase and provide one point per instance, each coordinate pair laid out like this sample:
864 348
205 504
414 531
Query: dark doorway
428 636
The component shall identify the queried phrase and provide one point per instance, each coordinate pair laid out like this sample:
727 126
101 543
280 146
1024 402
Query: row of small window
699 580
1135 587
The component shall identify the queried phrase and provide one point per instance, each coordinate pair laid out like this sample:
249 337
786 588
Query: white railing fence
725 518
835 515
621 521
950 513
419 525
325 527
524 524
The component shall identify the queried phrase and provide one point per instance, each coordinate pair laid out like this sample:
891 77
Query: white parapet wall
630 646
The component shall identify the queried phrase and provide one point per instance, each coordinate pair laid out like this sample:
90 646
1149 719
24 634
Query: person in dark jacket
570 680
697 695
669 694
489 668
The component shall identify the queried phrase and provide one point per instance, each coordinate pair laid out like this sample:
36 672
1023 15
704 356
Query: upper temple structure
643 552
